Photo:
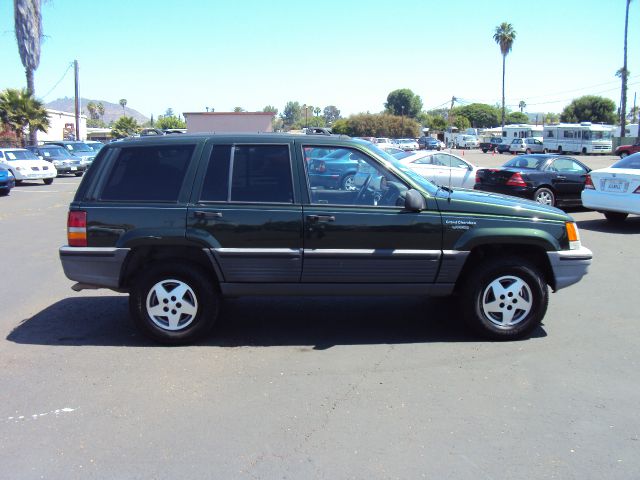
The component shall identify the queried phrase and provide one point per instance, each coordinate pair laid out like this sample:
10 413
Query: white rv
522 131
577 138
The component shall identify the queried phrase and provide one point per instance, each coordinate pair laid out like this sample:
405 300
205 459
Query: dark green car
179 221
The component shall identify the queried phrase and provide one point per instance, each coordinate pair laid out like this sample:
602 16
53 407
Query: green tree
504 36
331 114
516 117
123 103
20 111
522 105
100 110
238 109
377 125
170 122
480 115
551 117
403 102
461 122
125 127
317 111
292 114
590 108
95 123
271 109
435 123
28 25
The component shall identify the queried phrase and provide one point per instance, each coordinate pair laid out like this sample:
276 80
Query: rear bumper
607 202
93 266
569 266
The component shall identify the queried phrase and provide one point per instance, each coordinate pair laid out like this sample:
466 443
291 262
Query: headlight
20 168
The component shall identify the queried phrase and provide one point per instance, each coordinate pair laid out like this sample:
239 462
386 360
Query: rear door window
152 174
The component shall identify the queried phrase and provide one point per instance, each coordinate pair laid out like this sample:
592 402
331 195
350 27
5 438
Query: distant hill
112 111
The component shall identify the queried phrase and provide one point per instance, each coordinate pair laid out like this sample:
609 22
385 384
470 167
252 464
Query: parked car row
45 162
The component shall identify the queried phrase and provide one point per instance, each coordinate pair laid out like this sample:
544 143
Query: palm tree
100 109
624 73
28 25
91 106
522 105
123 103
19 111
504 36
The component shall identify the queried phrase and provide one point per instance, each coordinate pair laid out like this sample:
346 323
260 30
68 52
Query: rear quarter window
152 174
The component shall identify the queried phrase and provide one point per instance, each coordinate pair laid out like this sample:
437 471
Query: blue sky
194 54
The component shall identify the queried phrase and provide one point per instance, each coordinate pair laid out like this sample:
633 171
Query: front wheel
174 302
505 299
528 151
545 197
623 154
349 183
47 181
616 217
79 174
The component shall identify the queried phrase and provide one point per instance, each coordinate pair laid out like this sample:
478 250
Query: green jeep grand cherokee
180 221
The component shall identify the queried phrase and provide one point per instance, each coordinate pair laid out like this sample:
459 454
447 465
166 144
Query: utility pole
77 100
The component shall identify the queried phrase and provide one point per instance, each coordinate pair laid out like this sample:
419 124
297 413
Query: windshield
95 146
57 152
78 147
417 178
20 155
591 135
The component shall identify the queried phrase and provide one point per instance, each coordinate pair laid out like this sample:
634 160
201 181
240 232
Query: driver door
364 235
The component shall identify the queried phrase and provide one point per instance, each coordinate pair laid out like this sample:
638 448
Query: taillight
478 177
588 183
516 180
77 229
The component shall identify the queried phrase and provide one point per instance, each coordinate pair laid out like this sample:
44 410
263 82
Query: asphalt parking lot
313 387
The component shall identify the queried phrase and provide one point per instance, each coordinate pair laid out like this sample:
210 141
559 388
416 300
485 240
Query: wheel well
141 257
531 254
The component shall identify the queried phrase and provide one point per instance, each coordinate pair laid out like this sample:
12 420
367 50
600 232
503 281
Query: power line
58 82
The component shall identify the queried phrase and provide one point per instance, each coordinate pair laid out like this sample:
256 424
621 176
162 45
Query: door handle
203 214
321 218
561 177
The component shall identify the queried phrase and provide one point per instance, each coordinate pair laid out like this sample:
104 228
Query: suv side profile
179 222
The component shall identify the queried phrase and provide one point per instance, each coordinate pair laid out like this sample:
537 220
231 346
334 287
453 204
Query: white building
62 126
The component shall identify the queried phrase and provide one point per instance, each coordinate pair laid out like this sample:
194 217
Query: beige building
62 126
219 122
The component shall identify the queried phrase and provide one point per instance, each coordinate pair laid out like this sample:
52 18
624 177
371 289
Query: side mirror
414 201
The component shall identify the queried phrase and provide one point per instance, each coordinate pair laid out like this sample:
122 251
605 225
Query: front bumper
93 267
569 266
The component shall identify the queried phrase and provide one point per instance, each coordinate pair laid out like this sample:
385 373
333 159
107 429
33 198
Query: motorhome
509 132
582 137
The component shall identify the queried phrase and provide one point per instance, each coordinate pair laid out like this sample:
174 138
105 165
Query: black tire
197 307
545 196
47 181
623 154
528 151
5 192
79 174
500 152
522 287
484 150
615 217
545 151
560 150
584 151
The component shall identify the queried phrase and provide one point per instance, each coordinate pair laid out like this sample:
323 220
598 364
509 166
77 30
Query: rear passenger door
244 210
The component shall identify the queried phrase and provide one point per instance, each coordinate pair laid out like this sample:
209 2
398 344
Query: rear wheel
546 150
584 151
349 183
616 217
79 174
505 299
528 151
174 302
47 181
560 150
623 154
544 196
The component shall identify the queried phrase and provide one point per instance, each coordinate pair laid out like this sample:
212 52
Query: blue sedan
7 181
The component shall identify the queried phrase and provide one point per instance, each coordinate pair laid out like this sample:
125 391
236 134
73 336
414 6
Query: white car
26 165
407 144
614 191
442 168
526 145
